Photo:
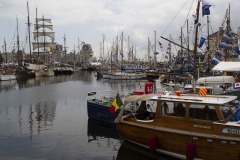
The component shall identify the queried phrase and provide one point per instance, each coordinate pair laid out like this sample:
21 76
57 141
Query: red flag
178 93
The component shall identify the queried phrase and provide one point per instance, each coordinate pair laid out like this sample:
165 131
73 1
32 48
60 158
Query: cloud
89 19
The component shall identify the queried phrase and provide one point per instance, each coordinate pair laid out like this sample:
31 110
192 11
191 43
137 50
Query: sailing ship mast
5 48
18 52
155 52
65 48
228 29
195 48
29 34
122 50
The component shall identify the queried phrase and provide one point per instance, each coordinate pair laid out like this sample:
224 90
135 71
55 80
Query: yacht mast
29 34
18 44
5 48
195 48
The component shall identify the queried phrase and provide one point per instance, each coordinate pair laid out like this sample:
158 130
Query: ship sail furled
43 19
48 26
51 45
40 34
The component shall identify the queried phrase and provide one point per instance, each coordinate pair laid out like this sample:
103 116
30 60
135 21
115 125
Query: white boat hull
126 76
7 77
34 67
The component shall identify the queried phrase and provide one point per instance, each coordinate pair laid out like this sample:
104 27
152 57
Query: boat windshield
231 111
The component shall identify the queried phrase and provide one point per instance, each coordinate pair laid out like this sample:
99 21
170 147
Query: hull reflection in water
134 152
103 134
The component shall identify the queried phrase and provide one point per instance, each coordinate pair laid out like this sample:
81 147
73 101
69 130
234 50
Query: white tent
227 66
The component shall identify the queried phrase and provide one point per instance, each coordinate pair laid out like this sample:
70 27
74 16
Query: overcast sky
89 20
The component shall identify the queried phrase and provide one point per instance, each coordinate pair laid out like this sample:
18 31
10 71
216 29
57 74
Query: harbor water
45 118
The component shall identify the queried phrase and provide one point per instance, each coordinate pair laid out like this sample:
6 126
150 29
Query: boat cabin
176 123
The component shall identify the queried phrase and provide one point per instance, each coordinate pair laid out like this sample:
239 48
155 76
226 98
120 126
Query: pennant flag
205 7
202 40
192 60
156 53
169 47
225 46
226 37
222 86
237 50
238 47
218 53
236 85
117 103
202 92
215 61
239 44
161 46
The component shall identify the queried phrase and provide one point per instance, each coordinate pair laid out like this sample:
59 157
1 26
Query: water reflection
40 117
102 134
124 85
85 76
134 152
7 85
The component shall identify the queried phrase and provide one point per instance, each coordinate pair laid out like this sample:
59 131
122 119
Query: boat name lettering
201 126
230 130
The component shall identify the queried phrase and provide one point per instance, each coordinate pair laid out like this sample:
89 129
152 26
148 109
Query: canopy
227 66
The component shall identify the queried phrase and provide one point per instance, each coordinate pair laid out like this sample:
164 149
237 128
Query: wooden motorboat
184 126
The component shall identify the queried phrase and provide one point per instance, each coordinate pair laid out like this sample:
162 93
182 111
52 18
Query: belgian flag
117 103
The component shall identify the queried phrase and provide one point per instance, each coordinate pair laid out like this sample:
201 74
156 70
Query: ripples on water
46 118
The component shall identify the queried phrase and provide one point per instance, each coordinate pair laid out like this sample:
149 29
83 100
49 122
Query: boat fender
153 143
190 151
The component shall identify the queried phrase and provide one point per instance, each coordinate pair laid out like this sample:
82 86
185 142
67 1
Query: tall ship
43 47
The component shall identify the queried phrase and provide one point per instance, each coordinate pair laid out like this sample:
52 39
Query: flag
218 53
202 92
215 61
239 44
169 47
236 85
238 47
237 50
116 104
205 7
225 46
178 93
202 40
160 45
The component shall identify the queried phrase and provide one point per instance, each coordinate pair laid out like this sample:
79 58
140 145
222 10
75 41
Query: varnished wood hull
174 141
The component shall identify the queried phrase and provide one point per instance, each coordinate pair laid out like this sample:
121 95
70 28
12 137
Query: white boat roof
215 79
209 99
227 66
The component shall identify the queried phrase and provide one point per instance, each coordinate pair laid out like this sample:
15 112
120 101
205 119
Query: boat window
173 109
203 112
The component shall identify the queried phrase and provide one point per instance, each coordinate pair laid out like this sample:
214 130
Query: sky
92 20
